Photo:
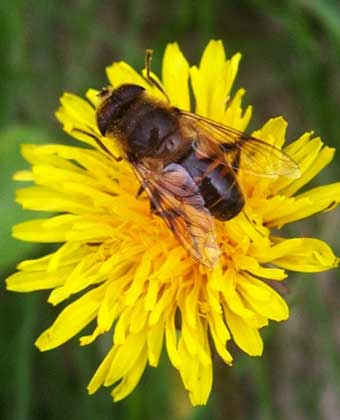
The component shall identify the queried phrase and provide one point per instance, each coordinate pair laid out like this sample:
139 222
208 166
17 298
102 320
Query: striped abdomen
217 184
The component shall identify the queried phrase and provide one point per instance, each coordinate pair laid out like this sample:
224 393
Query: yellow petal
300 254
162 305
326 194
191 305
250 265
75 112
279 210
37 264
232 297
175 76
247 338
45 199
200 392
212 83
313 164
47 155
234 115
273 132
155 342
194 340
131 379
126 357
67 255
139 279
263 299
171 340
71 320
99 377
197 377
122 326
139 317
79 109
311 157
33 280
220 335
83 274
23 176
38 230
78 126
89 339
121 73
111 305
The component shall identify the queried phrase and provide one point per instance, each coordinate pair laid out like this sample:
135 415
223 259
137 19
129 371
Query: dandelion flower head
121 270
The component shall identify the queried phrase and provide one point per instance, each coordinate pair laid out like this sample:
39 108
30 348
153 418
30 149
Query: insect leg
98 142
140 190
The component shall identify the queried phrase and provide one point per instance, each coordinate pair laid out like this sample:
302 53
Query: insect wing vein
178 201
255 156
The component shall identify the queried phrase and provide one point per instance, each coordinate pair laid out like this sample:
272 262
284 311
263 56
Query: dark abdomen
217 184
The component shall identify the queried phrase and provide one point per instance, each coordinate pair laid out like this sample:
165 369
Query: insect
186 163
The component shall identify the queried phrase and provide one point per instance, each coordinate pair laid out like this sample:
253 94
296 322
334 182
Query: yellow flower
136 280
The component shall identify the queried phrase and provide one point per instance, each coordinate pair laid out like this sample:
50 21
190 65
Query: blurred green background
290 67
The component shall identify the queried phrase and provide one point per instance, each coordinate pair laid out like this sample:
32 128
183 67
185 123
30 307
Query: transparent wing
240 149
178 201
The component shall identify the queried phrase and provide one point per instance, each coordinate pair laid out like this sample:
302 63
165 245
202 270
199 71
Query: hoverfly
187 164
